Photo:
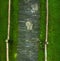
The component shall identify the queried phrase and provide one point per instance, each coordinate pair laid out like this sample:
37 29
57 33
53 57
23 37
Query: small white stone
34 7
29 25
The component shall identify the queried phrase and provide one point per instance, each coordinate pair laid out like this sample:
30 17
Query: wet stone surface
28 30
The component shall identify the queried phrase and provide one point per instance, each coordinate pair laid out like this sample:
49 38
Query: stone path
28 40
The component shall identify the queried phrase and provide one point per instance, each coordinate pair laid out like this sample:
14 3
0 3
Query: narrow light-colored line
46 20
46 40
8 34
9 8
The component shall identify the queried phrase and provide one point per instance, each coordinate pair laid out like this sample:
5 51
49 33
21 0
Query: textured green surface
42 28
3 28
54 31
14 30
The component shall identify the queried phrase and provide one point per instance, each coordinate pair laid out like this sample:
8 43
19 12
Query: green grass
54 31
3 28
42 28
14 30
